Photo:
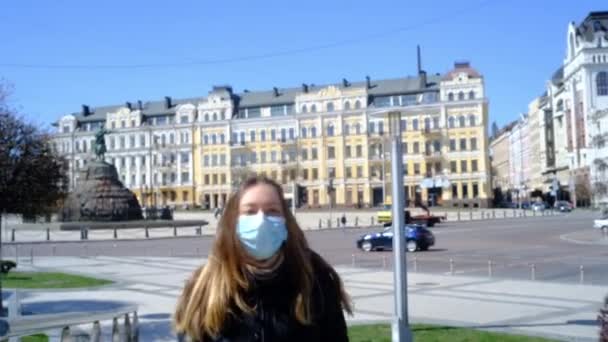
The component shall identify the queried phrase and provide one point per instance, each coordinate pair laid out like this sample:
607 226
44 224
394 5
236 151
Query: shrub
6 266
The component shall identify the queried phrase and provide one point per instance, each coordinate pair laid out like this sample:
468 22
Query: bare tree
32 176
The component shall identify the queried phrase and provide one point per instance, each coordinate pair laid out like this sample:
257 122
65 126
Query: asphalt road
512 246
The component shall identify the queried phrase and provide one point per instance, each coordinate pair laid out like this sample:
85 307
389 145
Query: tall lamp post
400 329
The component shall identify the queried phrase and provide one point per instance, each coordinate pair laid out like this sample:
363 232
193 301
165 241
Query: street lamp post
400 328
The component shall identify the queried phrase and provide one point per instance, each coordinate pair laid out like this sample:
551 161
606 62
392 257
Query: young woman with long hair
261 281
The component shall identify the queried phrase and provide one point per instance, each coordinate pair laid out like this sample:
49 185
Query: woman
261 281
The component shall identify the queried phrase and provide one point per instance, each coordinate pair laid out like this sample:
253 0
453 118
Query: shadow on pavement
66 306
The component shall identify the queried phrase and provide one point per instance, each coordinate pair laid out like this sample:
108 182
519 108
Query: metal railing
77 326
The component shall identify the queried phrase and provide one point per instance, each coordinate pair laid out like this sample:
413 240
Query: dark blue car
418 238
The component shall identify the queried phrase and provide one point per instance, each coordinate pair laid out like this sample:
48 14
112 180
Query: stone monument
101 196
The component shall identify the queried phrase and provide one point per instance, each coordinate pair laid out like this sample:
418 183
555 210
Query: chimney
140 105
167 102
368 82
461 64
418 59
276 91
128 105
305 87
423 80
86 111
345 83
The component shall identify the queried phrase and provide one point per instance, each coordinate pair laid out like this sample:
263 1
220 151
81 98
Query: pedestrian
343 220
216 212
262 282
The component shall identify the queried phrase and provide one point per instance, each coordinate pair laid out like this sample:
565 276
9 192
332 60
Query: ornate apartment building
329 140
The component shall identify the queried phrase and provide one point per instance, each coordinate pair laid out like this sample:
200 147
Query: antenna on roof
276 91
418 59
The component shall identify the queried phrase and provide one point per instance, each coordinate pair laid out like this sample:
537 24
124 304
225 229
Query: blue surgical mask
261 235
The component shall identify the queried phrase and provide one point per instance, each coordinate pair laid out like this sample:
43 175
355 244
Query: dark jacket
274 321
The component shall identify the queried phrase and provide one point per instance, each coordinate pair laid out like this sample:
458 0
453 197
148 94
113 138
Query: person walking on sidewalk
262 282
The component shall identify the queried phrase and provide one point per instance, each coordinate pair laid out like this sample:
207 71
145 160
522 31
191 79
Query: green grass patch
49 280
434 333
35 338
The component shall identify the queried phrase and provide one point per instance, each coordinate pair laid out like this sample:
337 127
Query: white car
601 224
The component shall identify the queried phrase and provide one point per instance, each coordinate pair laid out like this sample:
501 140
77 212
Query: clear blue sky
516 44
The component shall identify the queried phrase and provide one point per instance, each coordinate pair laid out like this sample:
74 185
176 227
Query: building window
222 138
451 122
346 129
277 110
263 135
416 168
304 154
252 136
427 124
405 148
304 109
213 139
359 171
452 145
454 190
474 165
381 127
371 128
273 135
403 125
330 107
313 131
263 157
461 121
313 108
463 144
273 156
314 153
450 96
331 152
303 133
305 174
206 139
206 161
346 105
453 166
427 148
283 134
601 81
349 172
357 128
415 124
436 146
472 120
435 122
465 191
416 148
463 166
315 174
473 144
331 172
330 130
359 151
122 142
460 96
357 104
348 151
185 177
142 140
471 95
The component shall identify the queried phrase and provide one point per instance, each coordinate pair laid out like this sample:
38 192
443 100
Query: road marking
564 237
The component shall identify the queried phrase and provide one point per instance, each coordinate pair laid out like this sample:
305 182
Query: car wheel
367 246
412 246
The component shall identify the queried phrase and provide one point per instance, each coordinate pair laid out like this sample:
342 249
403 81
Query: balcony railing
599 140
598 114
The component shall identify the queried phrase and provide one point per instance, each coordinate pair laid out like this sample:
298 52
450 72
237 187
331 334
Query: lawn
35 338
431 333
49 280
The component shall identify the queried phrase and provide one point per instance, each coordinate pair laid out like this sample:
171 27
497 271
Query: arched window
358 128
330 106
214 116
283 134
403 124
460 96
427 124
252 136
601 81
381 127
450 96
303 132
206 139
304 109
471 95
451 122
461 121
357 104
346 129
313 108
242 137
472 120
222 138
347 105
206 116
213 139
263 135
223 114
313 131
415 124
330 130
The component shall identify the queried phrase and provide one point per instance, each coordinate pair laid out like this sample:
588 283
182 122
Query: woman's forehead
260 194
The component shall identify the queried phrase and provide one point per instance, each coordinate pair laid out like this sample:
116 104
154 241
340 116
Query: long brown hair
215 288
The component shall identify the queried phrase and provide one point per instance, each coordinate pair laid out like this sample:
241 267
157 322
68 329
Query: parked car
601 223
417 237
538 206
563 206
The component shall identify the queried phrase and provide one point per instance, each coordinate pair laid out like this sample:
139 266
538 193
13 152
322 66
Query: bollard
504 214
372 221
320 223
383 262
524 213
54 250
493 213
115 233
328 223
471 215
174 231
532 272
415 264
147 232
353 261
458 215
514 213
13 235
533 213
48 234
582 274
337 222
199 230
451 266
356 221
490 268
